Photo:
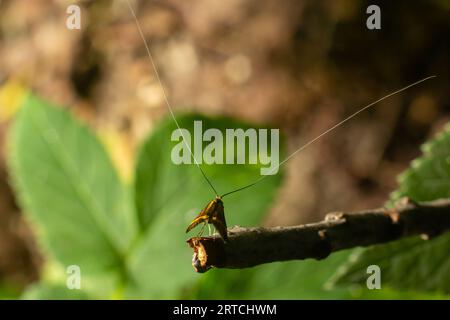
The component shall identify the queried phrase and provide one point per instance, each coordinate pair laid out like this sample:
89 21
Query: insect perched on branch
214 213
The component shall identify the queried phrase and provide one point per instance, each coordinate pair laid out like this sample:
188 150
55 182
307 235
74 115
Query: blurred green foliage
413 264
129 240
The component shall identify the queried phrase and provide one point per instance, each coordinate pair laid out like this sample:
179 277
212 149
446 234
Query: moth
213 214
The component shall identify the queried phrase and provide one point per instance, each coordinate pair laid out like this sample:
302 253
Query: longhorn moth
214 212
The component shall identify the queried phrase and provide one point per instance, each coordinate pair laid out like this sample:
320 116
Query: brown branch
248 247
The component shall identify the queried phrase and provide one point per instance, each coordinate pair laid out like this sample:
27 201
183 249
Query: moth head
218 199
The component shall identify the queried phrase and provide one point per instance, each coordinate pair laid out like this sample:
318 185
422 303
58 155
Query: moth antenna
147 48
329 130
242 188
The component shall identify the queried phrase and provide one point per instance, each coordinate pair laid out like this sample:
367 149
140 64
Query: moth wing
199 219
202 216
220 223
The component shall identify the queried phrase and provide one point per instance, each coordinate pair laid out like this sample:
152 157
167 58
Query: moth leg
209 229
202 229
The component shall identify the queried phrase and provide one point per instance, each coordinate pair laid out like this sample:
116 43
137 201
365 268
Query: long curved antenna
244 187
165 94
328 131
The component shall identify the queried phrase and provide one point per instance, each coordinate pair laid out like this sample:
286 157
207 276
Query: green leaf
9 290
412 264
429 176
169 196
409 264
67 185
43 291
83 215
298 280
304 279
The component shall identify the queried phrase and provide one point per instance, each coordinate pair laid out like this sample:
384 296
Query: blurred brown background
298 65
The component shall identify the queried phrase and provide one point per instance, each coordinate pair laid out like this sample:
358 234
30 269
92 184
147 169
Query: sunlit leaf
169 196
66 184
412 264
